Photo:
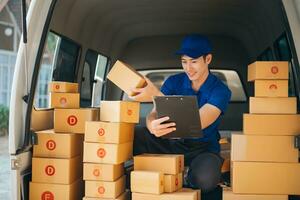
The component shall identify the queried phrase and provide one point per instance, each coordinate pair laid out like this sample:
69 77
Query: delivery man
202 154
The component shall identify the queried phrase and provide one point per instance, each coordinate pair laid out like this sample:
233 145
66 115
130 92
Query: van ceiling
113 26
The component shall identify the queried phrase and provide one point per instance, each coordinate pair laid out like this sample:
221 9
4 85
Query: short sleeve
220 97
168 87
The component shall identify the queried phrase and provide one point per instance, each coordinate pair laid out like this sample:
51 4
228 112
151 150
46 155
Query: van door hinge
15 164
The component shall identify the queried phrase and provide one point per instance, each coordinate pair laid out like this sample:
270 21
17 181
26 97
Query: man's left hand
146 93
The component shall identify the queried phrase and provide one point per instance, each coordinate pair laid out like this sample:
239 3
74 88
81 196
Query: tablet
184 111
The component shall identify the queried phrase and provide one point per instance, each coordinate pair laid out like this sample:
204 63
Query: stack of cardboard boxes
159 176
155 176
108 144
57 154
264 159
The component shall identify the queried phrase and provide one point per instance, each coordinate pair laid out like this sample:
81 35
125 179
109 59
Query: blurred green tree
4 116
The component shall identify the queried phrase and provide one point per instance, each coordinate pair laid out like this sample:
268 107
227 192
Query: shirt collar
187 84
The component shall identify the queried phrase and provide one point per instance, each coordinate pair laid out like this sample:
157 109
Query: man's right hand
159 129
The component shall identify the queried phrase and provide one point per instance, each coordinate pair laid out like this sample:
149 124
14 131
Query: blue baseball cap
195 46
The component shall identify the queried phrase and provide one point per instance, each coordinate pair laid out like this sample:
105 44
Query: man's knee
139 141
205 172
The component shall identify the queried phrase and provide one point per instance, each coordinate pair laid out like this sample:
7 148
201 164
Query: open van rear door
38 19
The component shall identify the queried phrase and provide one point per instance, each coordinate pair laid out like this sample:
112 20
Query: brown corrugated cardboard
147 182
73 120
124 196
126 77
105 189
47 191
263 148
268 70
226 163
229 195
108 132
53 145
102 172
271 88
41 119
173 182
270 105
107 153
54 170
57 86
166 163
271 124
265 178
64 100
120 111
182 194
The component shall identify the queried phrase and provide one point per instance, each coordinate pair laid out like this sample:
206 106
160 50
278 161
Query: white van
79 40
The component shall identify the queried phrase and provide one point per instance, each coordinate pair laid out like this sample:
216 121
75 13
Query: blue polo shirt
212 91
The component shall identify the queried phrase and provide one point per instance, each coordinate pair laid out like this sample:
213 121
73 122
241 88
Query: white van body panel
292 9
36 19
24 161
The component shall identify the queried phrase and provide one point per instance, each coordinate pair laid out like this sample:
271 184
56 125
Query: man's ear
208 58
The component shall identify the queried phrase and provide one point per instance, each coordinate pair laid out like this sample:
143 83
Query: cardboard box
270 105
66 87
102 172
109 132
73 120
229 195
46 191
64 100
52 145
149 182
182 194
165 163
271 124
56 170
120 111
271 88
41 119
261 70
265 178
226 163
124 196
107 153
263 148
225 144
126 77
173 182
105 189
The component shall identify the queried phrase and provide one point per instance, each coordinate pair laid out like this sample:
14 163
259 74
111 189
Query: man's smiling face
195 68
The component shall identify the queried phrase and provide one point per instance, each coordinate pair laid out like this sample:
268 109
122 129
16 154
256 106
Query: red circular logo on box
101 190
129 112
50 170
57 87
47 196
72 120
101 132
96 172
176 181
274 70
63 100
273 87
51 145
101 153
